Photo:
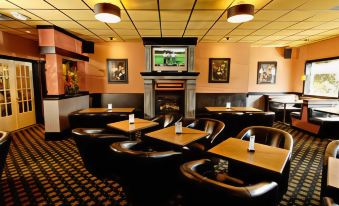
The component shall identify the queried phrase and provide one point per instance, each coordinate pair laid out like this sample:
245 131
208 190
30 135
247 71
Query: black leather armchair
332 150
94 148
269 136
5 141
213 127
164 121
150 172
213 188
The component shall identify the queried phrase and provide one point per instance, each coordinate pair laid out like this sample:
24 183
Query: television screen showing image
169 58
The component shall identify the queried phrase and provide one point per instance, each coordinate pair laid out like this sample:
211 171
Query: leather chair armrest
3 136
328 202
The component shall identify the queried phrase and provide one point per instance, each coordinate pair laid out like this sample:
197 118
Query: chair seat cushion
295 115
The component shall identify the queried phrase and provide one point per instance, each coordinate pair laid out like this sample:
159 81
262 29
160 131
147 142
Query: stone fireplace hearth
178 83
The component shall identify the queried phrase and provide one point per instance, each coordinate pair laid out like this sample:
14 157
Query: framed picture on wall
219 70
117 71
267 72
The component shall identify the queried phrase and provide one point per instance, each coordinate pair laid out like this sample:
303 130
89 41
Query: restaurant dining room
169 103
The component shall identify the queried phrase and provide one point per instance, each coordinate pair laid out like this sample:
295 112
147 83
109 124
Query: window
322 77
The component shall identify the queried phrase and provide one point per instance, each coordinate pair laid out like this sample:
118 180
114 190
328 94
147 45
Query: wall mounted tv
169 58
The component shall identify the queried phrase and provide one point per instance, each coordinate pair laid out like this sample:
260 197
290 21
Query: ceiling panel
103 32
218 32
273 37
137 4
81 31
145 32
325 16
301 37
174 15
279 25
31 16
253 38
144 15
200 25
298 15
264 32
7 5
212 4
176 4
32 4
65 4
223 24
177 32
328 25
242 32
305 25
147 25
231 39
285 4
253 25
122 25
197 32
50 14
128 32
35 23
287 32
212 38
173 25
80 14
265 15
132 38
93 24
320 4
205 15
311 32
67 24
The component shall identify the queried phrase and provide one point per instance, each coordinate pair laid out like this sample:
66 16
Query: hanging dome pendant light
108 13
240 13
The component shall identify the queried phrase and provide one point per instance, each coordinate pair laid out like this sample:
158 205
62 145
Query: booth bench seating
278 108
318 123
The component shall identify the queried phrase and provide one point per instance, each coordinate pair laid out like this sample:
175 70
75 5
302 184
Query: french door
16 95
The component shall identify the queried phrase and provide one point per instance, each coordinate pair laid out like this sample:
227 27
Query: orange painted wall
319 50
242 76
284 72
16 46
239 54
96 74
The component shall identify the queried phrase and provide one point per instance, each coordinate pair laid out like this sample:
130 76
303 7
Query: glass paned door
24 92
16 95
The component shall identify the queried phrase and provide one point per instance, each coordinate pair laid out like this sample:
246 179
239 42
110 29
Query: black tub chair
206 186
94 148
332 150
272 137
150 173
164 121
5 141
213 127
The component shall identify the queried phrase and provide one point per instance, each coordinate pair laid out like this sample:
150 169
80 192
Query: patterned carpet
40 172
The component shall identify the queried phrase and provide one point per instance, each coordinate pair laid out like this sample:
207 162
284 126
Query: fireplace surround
152 78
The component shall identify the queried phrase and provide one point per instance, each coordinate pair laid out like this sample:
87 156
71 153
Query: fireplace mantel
170 75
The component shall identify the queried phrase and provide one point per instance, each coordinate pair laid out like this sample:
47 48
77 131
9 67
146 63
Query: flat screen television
169 58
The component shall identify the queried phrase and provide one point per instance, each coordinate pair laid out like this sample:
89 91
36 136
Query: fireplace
169 91
169 102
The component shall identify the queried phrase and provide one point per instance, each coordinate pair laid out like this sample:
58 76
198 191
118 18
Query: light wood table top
332 173
265 157
287 101
139 124
168 134
106 110
232 109
329 110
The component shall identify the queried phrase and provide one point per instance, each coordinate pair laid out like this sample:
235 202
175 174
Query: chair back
212 126
5 141
268 136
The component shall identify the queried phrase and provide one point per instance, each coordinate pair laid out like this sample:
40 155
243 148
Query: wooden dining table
232 109
265 157
106 110
285 103
168 135
139 124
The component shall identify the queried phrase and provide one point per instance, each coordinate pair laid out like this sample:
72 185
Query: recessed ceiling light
19 16
240 13
106 12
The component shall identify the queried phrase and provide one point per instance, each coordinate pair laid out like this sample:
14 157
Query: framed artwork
117 71
219 70
267 72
